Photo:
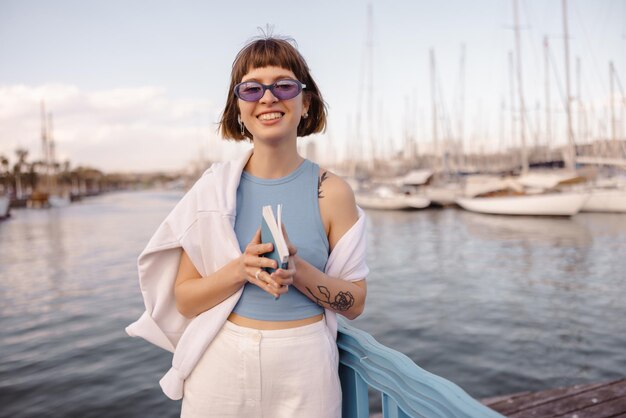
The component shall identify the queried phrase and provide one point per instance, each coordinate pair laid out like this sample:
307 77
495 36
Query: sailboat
49 193
58 197
388 194
543 204
533 194
537 194
440 190
404 193
609 194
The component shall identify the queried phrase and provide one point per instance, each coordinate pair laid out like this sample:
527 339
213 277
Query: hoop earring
243 129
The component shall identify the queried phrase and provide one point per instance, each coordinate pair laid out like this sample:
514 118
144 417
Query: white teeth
270 116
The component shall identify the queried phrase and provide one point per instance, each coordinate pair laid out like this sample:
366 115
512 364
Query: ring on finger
258 273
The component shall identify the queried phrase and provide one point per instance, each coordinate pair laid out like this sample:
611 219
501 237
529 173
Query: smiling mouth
270 116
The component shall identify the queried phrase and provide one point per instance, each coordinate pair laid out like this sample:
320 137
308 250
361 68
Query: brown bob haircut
274 52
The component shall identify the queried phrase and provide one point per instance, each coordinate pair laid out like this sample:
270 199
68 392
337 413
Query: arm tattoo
319 184
343 300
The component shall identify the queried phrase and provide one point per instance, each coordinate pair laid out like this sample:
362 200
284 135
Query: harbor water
495 304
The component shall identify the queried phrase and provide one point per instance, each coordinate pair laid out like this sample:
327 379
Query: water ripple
497 305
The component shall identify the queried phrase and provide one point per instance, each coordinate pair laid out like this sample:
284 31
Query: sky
140 85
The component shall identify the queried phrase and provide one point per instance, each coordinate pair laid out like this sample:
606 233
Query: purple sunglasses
252 91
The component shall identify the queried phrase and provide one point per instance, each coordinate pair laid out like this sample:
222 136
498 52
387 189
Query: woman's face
271 119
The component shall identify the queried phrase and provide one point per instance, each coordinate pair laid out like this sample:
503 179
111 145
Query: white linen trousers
287 373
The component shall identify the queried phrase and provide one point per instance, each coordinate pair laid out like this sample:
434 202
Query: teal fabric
297 192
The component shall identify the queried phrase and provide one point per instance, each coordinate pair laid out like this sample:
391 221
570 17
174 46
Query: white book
271 231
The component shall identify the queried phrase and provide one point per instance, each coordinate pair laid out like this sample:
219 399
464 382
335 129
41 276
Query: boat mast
413 125
512 101
52 179
520 90
44 133
406 146
370 80
546 69
570 156
537 134
51 145
45 149
499 147
612 104
579 103
461 120
351 155
433 95
358 153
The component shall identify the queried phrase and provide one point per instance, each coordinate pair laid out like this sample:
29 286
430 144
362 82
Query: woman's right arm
195 294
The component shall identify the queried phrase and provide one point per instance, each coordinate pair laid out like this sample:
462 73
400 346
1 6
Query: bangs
269 53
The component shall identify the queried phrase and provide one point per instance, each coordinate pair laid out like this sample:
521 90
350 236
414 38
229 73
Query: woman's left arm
342 296
339 213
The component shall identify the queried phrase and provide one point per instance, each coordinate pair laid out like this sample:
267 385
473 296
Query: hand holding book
273 231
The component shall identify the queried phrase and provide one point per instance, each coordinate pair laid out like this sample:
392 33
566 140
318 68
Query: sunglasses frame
270 87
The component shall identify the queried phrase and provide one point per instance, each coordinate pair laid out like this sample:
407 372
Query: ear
306 102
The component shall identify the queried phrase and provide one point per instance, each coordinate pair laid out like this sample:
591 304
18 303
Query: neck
273 161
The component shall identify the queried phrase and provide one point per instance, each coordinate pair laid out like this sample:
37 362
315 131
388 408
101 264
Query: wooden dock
597 400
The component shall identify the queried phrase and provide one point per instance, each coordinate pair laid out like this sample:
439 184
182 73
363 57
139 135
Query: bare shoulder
333 186
337 205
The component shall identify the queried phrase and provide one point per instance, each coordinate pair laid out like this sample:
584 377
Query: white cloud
136 129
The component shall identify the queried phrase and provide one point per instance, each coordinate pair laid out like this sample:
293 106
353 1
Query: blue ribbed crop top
297 192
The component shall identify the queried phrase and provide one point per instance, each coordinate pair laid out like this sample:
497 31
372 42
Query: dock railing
406 389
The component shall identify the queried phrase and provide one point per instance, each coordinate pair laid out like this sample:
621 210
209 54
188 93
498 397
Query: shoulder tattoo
320 180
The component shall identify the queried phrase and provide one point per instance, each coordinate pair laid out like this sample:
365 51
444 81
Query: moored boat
385 198
541 204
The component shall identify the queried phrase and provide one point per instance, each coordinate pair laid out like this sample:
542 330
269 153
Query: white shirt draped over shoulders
202 224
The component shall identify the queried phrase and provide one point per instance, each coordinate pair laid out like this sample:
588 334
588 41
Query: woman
275 354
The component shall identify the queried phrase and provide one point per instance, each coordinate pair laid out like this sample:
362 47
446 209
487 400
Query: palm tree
35 170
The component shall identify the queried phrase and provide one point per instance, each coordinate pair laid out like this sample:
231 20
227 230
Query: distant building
310 151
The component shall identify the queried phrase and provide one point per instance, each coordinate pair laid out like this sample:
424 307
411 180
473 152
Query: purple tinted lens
285 89
250 91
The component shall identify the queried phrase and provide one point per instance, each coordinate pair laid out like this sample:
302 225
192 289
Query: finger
269 285
270 281
282 281
260 262
255 276
258 249
284 273
262 279
256 239
282 290
252 272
